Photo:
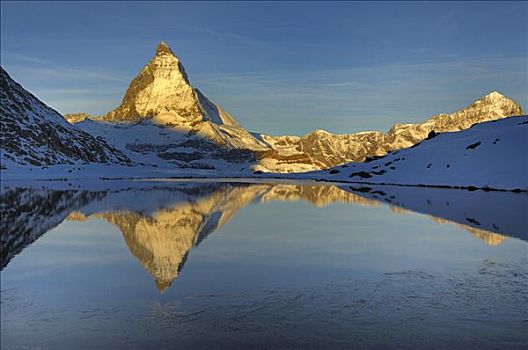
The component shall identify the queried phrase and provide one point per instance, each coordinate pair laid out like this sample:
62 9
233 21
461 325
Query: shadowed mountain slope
35 134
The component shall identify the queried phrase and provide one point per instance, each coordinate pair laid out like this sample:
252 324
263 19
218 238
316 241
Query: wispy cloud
81 92
18 57
46 71
218 33
67 88
40 68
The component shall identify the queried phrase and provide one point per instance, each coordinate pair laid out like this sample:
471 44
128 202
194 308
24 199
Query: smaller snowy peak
318 132
494 96
496 102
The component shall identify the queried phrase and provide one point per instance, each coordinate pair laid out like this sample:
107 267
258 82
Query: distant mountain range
163 122
489 155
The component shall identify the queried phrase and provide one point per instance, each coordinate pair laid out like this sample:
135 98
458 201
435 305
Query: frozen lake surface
229 265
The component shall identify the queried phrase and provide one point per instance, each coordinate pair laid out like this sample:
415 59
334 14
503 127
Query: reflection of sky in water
277 257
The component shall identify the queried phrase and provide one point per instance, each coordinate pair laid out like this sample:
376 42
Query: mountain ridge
165 122
330 149
316 150
489 156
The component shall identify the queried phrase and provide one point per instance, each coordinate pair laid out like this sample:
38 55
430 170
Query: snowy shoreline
250 179
490 156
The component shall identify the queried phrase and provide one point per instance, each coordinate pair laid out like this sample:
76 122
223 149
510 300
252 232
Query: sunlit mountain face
162 222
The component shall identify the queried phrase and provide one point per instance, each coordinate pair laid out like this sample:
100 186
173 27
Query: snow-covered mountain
169 128
490 155
35 134
162 95
163 120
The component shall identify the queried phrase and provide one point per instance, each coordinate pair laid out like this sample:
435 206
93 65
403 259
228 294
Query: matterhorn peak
162 92
163 49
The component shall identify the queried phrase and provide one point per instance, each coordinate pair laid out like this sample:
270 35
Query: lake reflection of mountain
162 222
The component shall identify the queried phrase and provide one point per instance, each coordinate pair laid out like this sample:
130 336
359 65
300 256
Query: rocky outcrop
321 149
35 134
74 118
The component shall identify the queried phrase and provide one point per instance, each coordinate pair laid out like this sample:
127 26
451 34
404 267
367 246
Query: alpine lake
237 264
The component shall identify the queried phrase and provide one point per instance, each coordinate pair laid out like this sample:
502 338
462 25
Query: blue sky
279 68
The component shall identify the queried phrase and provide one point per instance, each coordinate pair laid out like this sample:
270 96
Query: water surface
193 265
